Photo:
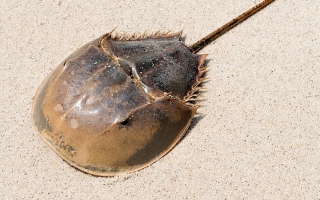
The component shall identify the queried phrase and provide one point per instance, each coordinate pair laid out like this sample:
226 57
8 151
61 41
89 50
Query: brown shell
119 103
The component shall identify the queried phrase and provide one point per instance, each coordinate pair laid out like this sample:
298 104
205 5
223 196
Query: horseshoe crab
119 103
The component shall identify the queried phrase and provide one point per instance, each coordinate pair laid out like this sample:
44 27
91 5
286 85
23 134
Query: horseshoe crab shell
118 104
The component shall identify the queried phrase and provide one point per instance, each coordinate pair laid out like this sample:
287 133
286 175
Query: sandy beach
257 132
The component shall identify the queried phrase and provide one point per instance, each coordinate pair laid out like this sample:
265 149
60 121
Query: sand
258 131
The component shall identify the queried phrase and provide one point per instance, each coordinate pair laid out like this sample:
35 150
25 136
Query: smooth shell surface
117 104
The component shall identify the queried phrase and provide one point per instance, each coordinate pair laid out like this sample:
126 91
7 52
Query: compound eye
125 122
